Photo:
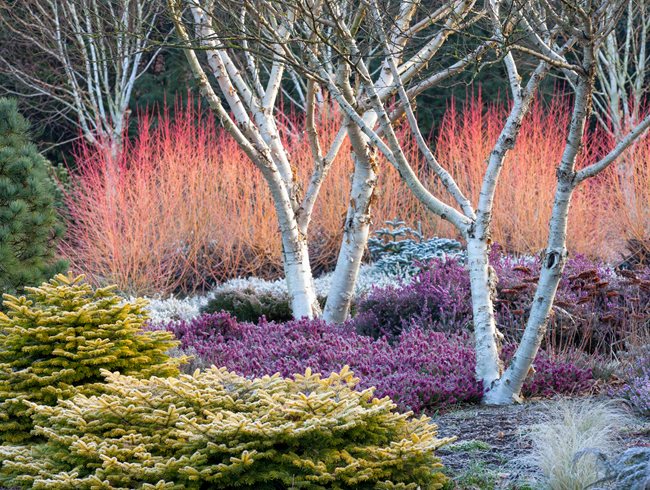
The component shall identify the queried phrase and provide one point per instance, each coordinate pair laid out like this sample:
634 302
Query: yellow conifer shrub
55 340
215 429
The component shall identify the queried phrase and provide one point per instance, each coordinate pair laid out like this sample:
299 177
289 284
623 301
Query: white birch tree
373 92
96 48
622 71
289 35
620 98
565 36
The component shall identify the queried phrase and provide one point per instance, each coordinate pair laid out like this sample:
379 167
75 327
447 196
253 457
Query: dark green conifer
29 224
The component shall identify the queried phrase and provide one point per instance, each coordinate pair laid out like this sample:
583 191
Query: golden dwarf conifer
215 429
55 340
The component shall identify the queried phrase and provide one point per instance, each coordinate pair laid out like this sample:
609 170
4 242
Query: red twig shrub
527 182
185 208
629 200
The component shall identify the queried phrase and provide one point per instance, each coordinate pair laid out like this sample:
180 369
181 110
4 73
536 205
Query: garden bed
492 445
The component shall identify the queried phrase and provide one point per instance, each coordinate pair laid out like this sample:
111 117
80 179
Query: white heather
165 310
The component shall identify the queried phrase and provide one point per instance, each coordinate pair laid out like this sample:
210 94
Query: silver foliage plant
399 250
164 310
630 470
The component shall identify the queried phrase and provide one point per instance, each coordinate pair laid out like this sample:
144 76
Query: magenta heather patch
553 375
437 298
596 306
420 370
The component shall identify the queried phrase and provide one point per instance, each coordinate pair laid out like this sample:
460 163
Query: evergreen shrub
249 306
55 340
216 429
399 250
29 224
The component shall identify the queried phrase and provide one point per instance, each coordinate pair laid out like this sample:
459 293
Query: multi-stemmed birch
267 34
622 84
374 90
96 50
250 119
565 36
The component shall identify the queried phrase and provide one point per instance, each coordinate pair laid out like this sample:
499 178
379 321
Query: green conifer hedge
29 224
55 340
215 429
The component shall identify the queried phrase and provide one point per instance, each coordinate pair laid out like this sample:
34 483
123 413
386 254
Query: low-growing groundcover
55 340
597 306
420 370
215 429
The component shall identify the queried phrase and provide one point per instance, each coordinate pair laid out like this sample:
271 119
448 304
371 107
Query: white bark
588 34
255 130
507 389
297 269
364 181
483 282
99 48
486 335
356 228
622 74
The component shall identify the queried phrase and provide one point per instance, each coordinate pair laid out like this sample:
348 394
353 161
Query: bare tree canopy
79 59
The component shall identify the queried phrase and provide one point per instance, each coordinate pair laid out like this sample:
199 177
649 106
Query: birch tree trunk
487 338
364 181
297 269
356 228
295 251
508 388
621 76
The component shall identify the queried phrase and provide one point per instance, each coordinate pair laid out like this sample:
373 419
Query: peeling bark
356 228
487 337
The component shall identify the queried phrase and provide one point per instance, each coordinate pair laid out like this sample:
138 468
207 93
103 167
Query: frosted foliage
164 310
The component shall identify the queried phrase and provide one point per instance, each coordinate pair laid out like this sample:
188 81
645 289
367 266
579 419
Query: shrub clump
55 340
248 306
438 298
29 225
215 429
637 379
399 250
422 370
595 309
570 428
